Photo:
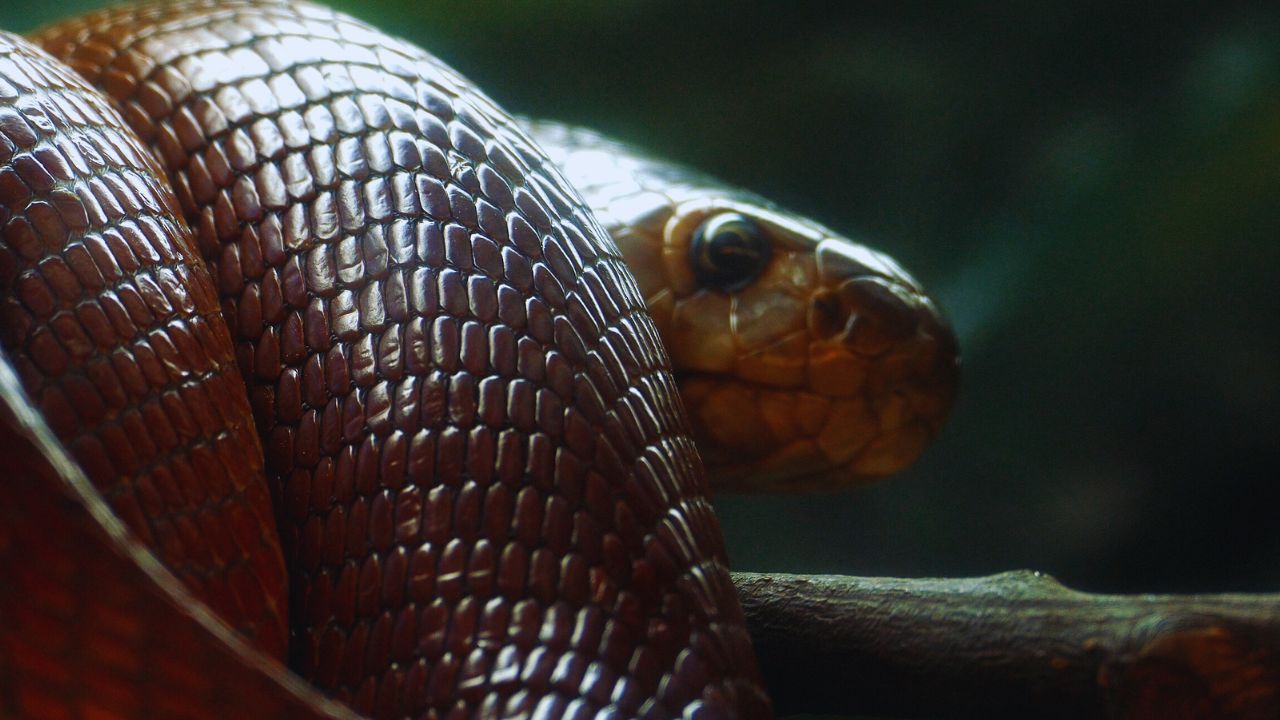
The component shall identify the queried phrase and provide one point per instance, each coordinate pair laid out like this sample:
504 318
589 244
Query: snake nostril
869 314
890 305
865 312
828 314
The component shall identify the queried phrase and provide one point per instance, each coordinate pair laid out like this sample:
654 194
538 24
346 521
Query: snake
327 393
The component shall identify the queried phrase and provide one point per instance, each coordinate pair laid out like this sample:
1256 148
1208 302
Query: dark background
1090 190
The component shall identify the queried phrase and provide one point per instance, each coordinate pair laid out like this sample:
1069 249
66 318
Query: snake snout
872 316
866 304
867 315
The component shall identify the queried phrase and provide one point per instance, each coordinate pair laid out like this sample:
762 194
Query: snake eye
728 252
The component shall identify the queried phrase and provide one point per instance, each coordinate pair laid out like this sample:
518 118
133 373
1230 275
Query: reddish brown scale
113 326
452 372
93 626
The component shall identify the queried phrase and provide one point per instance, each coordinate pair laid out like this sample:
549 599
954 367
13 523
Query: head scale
807 361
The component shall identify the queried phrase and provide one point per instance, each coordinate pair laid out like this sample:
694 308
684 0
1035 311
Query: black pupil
728 253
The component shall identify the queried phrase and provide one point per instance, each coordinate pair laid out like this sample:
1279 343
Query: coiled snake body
412 432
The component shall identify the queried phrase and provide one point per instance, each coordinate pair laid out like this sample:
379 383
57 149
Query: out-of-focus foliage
1091 189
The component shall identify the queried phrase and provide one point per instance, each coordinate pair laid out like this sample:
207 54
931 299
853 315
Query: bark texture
1016 644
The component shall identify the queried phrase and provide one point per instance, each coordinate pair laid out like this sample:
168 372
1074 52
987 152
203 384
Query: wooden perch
1017 644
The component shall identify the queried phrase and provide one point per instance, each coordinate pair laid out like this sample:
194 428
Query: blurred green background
1091 190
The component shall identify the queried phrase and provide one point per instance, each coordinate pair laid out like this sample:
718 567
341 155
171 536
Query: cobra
486 498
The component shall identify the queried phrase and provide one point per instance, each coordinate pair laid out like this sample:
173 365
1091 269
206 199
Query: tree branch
1017 644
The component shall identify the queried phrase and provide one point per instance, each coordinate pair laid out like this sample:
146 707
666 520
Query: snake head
806 361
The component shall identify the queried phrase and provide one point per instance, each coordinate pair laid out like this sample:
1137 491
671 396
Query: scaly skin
95 626
113 326
830 370
489 503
